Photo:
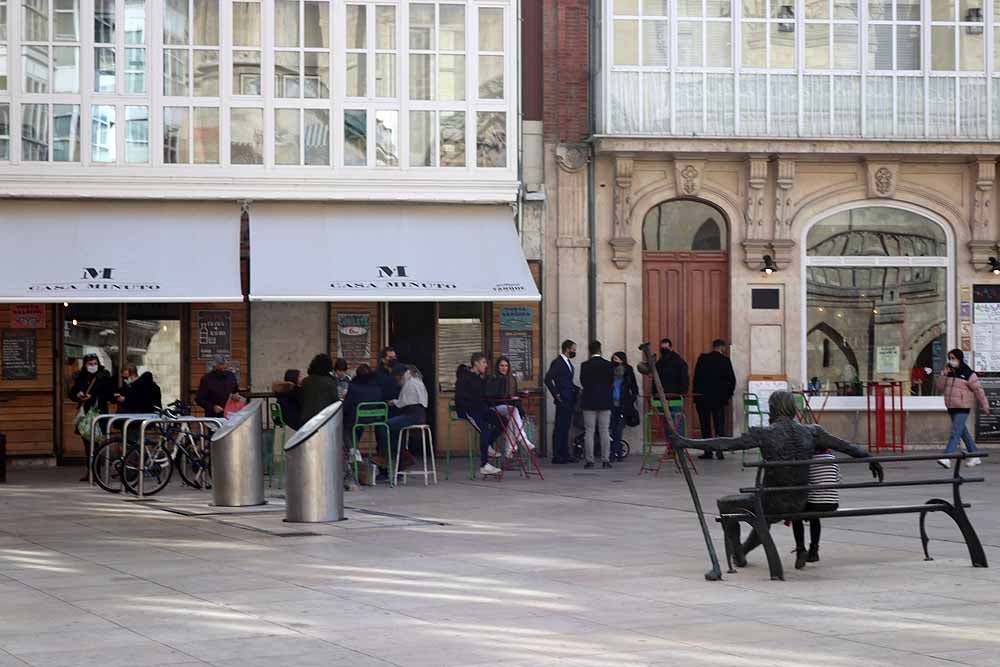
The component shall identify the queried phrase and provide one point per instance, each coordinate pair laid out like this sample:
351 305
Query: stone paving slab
583 569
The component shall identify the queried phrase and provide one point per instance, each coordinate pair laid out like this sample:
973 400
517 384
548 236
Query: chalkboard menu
516 346
215 333
18 355
988 426
354 338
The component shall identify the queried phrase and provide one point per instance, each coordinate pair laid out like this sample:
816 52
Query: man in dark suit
597 375
673 372
559 382
714 385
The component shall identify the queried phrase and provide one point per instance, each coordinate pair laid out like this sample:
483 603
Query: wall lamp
770 267
788 13
974 15
994 265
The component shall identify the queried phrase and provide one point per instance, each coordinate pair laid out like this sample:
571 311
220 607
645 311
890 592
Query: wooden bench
760 521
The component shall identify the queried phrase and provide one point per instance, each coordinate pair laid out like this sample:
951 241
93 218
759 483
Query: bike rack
111 417
164 420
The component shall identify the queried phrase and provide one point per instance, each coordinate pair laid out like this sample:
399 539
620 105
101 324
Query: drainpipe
593 53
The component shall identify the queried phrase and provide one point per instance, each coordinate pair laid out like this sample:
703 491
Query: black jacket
318 391
714 380
597 375
101 392
386 382
358 393
673 372
215 389
559 382
289 397
470 392
142 396
630 388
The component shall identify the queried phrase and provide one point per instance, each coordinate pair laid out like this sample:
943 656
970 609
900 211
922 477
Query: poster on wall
988 426
517 346
516 318
27 316
965 336
354 338
18 355
215 333
887 359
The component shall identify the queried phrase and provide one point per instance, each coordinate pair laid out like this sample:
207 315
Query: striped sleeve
827 472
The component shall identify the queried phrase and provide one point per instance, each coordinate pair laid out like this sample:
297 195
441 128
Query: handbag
233 405
631 416
83 422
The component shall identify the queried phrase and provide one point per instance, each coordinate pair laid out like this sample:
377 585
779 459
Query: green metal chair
804 412
471 438
274 465
374 415
675 406
751 408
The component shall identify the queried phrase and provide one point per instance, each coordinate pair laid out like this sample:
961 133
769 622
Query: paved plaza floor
584 569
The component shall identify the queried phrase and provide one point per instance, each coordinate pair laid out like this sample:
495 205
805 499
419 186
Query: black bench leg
763 528
729 547
957 513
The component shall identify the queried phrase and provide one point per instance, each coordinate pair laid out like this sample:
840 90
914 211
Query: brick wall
566 86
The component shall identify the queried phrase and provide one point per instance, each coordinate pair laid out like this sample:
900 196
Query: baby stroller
582 434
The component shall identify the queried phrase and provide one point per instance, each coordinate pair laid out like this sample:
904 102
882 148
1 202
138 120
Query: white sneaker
945 463
973 462
489 469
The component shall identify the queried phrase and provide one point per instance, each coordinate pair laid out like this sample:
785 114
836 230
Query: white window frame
989 77
860 403
421 182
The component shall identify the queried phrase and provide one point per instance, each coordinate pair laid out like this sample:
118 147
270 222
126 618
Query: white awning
87 251
386 252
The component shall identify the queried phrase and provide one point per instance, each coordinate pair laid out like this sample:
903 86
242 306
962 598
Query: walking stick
715 574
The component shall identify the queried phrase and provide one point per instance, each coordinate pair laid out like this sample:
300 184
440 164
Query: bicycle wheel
107 464
193 465
159 467
625 450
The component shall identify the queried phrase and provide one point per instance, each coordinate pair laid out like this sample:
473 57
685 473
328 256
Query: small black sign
18 357
765 298
215 333
988 426
517 346
986 293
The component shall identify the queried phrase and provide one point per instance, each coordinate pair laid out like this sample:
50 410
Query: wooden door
686 299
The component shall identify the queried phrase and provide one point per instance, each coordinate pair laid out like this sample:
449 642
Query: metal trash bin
238 459
314 469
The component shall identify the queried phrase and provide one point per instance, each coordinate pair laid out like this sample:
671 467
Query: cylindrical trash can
314 469
238 459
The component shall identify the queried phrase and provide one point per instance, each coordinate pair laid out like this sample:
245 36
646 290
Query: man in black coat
559 382
672 369
597 375
714 385
139 394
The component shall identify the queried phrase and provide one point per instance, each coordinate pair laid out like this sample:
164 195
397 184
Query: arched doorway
685 279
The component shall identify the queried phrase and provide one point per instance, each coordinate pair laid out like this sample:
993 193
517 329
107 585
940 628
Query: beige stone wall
769 201
285 335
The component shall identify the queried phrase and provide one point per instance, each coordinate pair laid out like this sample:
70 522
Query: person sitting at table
502 391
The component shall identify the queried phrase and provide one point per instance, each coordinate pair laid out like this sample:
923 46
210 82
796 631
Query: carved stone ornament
756 180
622 241
688 175
783 208
982 199
572 157
882 178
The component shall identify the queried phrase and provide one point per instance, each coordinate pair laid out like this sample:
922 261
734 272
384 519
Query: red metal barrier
886 415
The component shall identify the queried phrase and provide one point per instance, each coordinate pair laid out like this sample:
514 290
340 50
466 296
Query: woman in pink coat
962 391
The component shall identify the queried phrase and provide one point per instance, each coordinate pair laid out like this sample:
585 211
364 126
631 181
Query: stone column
572 242
982 224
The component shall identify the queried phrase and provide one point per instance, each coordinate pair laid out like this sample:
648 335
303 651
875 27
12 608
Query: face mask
616 362
129 380
664 350
571 354
953 363
91 368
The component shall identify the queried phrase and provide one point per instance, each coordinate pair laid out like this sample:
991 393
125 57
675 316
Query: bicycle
192 453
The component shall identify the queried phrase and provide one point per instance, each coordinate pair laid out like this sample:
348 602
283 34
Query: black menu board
18 355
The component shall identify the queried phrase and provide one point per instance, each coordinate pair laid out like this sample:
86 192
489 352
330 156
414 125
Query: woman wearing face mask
92 387
624 393
962 391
